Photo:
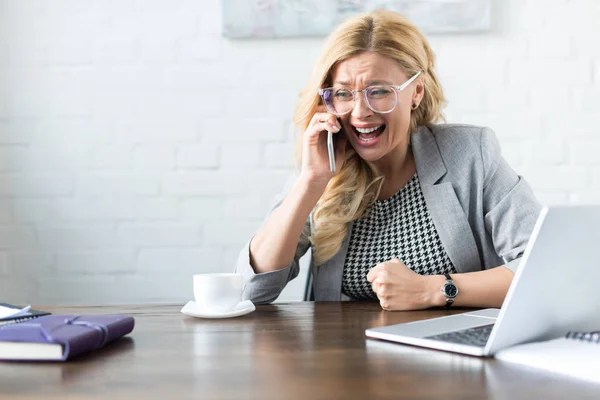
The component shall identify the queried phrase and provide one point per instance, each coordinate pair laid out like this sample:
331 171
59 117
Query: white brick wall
138 146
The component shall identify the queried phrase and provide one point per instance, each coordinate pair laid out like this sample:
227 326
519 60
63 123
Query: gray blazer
483 211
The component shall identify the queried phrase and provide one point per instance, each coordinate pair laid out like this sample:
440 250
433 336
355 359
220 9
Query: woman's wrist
433 291
312 184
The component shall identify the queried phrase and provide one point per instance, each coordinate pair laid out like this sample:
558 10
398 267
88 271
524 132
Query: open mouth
367 135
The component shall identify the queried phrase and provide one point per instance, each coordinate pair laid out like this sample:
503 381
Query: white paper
6 312
575 358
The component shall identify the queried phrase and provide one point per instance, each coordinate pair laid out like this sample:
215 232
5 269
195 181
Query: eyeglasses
381 99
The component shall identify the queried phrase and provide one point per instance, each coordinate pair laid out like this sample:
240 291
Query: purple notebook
61 337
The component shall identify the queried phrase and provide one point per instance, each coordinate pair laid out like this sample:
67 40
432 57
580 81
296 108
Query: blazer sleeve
264 288
510 207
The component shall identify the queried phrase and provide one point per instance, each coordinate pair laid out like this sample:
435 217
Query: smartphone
331 151
331 148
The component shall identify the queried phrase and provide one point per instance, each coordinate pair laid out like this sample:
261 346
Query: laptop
555 290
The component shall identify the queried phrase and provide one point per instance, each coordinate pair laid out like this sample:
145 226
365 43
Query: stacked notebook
37 336
577 354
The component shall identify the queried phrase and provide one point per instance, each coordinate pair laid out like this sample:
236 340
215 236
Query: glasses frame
397 89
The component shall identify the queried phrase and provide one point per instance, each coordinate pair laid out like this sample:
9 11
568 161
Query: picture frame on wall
306 18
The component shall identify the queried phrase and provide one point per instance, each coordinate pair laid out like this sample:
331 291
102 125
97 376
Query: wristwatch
449 290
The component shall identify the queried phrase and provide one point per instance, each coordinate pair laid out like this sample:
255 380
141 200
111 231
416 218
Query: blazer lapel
446 212
328 277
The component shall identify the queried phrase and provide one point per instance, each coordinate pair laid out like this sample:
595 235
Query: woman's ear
419 92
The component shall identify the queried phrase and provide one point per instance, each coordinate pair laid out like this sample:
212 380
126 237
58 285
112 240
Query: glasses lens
381 98
338 101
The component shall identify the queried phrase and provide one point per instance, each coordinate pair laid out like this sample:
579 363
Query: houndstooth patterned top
399 227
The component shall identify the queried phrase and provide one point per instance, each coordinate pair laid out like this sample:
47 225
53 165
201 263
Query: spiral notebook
11 314
577 354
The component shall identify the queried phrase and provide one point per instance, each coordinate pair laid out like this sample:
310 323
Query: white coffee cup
219 292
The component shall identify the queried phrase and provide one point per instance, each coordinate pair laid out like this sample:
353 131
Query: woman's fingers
315 132
325 118
375 286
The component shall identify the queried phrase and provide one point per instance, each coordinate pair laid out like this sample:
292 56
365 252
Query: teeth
367 130
366 140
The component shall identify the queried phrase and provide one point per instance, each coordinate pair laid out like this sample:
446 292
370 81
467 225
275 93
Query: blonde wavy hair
356 186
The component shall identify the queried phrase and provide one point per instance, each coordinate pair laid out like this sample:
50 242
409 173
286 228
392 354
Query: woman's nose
361 109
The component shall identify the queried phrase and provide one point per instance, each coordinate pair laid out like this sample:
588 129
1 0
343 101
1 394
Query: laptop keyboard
473 336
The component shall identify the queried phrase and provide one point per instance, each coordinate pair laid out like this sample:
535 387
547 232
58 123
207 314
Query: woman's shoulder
453 132
459 147
462 137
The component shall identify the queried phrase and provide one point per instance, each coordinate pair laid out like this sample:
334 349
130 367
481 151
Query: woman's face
369 69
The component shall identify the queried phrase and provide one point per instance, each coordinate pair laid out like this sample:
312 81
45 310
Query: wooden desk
288 351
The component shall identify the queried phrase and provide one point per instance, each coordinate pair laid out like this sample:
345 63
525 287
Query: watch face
450 290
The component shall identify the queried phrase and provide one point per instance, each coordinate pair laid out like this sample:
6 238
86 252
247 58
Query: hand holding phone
320 124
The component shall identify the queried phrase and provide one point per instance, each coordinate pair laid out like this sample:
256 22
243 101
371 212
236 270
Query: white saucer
193 310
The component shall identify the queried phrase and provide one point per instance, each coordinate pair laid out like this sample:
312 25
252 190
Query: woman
419 214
